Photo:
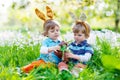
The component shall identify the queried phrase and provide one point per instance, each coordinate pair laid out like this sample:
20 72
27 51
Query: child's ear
40 14
49 12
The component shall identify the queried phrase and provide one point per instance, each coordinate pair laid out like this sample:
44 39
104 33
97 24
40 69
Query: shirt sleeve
89 49
85 58
88 53
44 48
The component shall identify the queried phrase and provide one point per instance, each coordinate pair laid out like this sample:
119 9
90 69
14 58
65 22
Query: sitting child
81 51
50 44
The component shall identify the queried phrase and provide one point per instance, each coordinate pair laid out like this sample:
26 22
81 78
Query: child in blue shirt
50 44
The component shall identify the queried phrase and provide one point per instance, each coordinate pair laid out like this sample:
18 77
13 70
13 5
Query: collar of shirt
80 44
50 40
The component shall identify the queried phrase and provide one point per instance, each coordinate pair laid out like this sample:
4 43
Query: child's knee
80 65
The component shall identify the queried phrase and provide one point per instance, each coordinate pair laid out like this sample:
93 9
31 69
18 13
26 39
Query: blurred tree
117 14
115 6
23 11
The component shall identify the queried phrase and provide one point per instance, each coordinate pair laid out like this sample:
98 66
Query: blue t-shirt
50 57
80 49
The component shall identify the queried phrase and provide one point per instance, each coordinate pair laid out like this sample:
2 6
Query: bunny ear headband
81 20
42 16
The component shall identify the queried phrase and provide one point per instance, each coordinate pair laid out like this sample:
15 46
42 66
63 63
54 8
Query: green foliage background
100 13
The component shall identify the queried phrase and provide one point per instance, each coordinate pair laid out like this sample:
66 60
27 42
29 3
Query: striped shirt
80 49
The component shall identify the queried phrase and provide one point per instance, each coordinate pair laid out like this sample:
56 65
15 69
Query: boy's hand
55 48
70 55
63 43
59 50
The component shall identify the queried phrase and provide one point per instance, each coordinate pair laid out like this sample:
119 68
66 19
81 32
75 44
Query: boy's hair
83 27
49 24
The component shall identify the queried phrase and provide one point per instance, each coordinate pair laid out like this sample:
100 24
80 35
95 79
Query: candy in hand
65 59
58 53
62 52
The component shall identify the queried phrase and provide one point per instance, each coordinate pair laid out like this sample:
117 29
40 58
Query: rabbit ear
73 16
49 12
40 14
83 17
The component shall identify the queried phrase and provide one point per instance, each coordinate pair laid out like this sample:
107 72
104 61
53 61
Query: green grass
104 64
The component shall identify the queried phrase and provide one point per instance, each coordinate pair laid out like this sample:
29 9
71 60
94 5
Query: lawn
19 49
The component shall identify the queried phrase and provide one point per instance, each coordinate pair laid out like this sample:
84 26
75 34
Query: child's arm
82 58
46 50
54 48
85 58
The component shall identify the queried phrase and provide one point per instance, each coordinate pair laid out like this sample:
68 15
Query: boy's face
54 33
79 37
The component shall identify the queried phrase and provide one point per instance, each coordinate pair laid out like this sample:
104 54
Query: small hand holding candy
62 52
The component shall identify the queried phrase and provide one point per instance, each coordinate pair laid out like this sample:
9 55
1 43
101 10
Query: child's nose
75 36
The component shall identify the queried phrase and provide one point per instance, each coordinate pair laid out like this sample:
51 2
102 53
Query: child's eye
52 31
79 35
57 30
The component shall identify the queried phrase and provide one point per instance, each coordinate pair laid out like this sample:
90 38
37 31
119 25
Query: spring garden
20 38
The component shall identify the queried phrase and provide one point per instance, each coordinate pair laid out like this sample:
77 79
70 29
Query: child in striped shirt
80 51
